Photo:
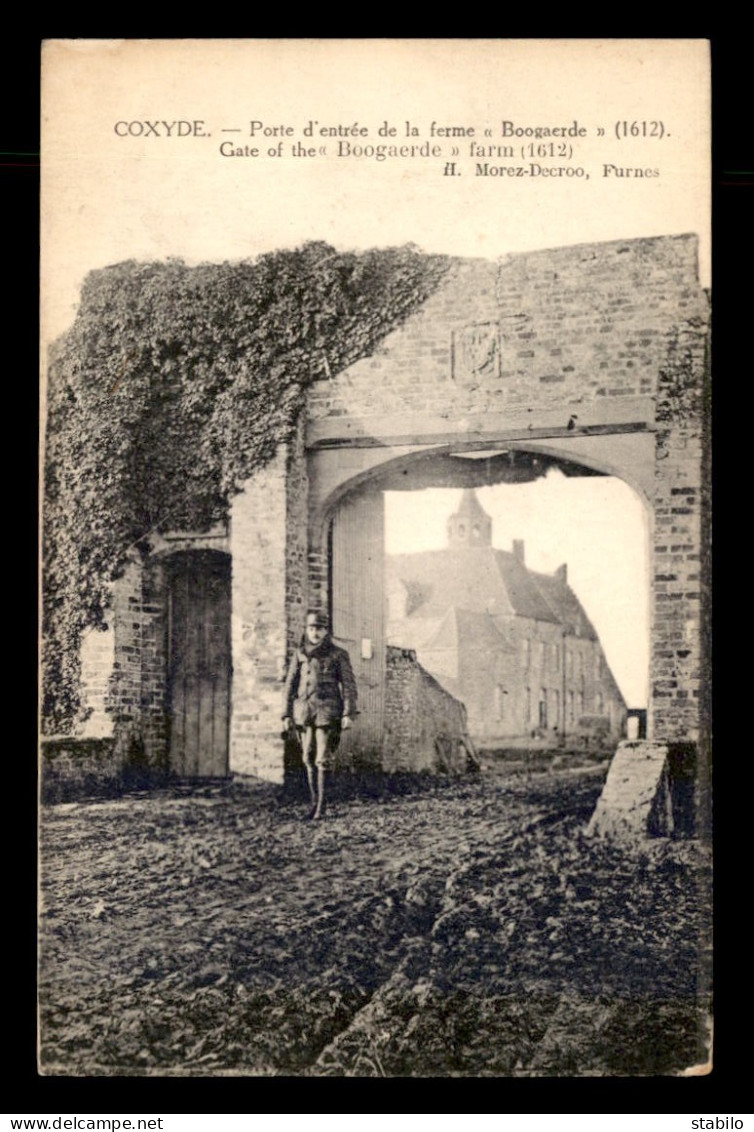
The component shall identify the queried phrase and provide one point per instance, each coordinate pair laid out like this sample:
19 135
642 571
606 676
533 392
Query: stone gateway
589 358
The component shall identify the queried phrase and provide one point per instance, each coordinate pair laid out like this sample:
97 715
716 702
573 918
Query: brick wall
124 692
123 686
97 659
423 722
297 561
124 696
318 564
575 323
591 320
154 664
268 541
258 623
76 768
678 523
136 699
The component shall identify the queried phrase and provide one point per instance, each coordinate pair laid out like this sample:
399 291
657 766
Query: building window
599 703
570 707
527 707
555 657
543 707
554 708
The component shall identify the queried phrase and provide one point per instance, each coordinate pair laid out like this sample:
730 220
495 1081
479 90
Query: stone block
635 800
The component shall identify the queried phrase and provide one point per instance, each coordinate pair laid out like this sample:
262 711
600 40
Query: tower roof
469 525
470 508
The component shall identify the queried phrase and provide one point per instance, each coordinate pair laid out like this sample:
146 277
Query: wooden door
358 616
199 659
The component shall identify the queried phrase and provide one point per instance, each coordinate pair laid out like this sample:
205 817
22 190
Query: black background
721 1092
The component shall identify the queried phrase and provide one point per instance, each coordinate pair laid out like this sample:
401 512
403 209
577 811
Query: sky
595 524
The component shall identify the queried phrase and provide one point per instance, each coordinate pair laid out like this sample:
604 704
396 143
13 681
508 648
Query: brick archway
347 529
592 356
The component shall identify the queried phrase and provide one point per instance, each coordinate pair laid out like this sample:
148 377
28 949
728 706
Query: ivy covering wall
171 388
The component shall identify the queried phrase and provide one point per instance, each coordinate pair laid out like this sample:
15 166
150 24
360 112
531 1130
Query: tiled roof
483 580
524 595
464 626
467 577
447 634
412 632
566 607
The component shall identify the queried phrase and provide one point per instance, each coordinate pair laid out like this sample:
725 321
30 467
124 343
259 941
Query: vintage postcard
374 733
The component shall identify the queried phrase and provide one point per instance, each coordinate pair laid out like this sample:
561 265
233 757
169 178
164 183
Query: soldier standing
320 699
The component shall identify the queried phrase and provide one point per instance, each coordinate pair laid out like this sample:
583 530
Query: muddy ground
461 929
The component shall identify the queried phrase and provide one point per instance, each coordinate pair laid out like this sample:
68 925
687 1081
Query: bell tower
470 525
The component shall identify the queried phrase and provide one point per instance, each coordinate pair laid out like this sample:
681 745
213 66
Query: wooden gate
199 659
358 616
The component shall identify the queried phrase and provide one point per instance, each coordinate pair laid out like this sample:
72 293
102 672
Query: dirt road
465 930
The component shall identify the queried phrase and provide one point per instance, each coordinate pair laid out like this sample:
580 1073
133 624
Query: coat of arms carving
476 351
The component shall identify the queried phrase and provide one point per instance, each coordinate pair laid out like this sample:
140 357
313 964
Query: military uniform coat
320 687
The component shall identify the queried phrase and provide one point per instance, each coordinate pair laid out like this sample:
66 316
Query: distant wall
423 722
